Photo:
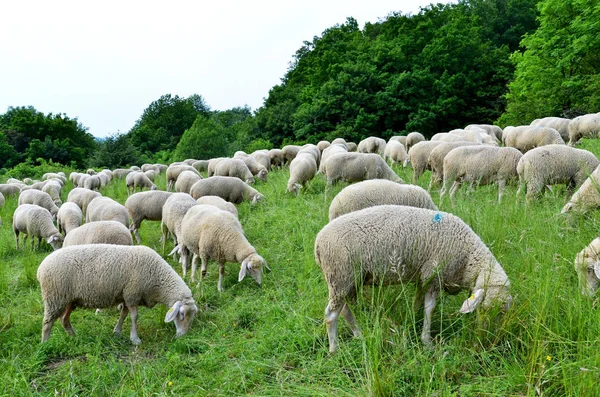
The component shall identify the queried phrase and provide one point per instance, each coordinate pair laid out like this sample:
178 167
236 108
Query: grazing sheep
256 168
234 168
36 222
151 174
262 158
436 160
447 137
148 167
173 173
418 156
322 145
8 189
92 182
491 130
390 244
395 152
211 233
558 123
587 266
303 169
378 192
201 165
219 203
173 212
372 144
138 179
399 138
50 175
145 205
554 164
355 167
40 198
340 141
312 150
525 138
330 151
53 188
91 171
471 135
104 178
2 200
185 181
69 217
99 232
586 126
106 275
212 164
121 173
228 188
481 165
289 152
135 168
352 147
82 197
276 156
106 209
413 138
587 197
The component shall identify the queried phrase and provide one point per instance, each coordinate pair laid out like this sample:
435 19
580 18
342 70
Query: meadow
271 340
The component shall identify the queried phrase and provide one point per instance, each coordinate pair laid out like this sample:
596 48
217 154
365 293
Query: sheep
40 198
586 126
526 137
93 182
587 196
2 200
480 164
276 156
418 156
256 168
262 158
201 165
50 175
106 209
322 145
135 168
148 167
211 233
151 174
36 222
235 168
355 167
82 197
289 152
399 138
553 164
228 188
413 138
587 267
395 152
189 161
138 179
558 123
212 164
395 244
185 181
91 171
145 205
436 160
491 130
8 189
173 211
378 192
99 232
312 150
352 147
69 217
161 167
53 188
469 135
120 173
447 137
104 178
303 169
173 172
219 203
340 141
330 151
105 275
372 144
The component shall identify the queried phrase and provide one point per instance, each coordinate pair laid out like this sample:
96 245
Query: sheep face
257 198
253 265
182 315
56 241
262 175
588 272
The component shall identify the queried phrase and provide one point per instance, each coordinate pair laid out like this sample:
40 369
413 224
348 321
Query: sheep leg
163 236
501 185
430 301
194 267
453 189
50 316
17 237
119 326
221 273
137 234
349 317
65 320
332 312
133 335
185 258
204 261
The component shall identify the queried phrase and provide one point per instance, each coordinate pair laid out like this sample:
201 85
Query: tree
115 151
205 139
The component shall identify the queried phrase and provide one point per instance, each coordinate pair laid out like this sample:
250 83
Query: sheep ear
173 312
473 302
51 239
243 270
597 269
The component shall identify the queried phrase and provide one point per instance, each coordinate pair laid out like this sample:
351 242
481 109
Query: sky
104 62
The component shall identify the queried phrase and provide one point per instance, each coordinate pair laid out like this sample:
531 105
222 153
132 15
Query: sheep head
253 265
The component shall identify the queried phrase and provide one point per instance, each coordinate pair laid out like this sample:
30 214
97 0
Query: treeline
477 61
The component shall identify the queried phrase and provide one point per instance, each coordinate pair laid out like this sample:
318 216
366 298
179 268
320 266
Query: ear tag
437 218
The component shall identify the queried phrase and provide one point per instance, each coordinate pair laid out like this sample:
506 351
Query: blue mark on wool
437 218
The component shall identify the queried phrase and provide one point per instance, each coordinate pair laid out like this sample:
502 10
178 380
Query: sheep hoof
136 341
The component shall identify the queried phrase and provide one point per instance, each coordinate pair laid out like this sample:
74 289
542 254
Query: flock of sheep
380 231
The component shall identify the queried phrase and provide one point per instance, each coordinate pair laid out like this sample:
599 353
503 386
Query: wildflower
170 384
548 358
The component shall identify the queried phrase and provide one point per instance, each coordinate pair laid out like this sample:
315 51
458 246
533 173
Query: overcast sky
104 62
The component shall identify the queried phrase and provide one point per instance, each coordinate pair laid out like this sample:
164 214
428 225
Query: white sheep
558 123
471 135
262 158
355 167
145 205
289 152
106 275
212 164
587 267
330 151
303 169
491 130
413 138
234 168
151 174
276 156
82 197
40 198
480 165
312 150
587 197
201 165
352 147
138 179
92 182
340 141
256 168
69 217
148 167
99 232
173 172
9 189
219 203
418 156
399 138
173 211
372 144
395 244
106 209
2 200
322 145
378 192
554 164
135 168
586 126
447 137
436 160
228 188
36 222
185 181
525 138
53 188
121 173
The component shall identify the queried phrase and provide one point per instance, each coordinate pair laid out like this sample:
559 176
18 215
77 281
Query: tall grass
271 340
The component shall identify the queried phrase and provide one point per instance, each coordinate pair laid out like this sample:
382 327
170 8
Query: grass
271 340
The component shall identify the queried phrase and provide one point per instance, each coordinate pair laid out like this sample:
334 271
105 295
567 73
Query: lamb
378 192
173 212
289 152
413 138
482 165
355 167
9 189
586 126
92 182
234 168
491 130
82 197
210 233
228 188
185 181
36 222
558 123
553 164
372 144
219 203
99 232
106 209
105 275
145 205
138 179
396 244
436 160
418 156
69 217
587 197
526 137
395 152
303 169
173 172
587 267
276 156
53 188
40 198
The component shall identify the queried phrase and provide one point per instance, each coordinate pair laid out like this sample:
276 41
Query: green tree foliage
205 139
559 73
163 122
8 155
34 135
115 151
